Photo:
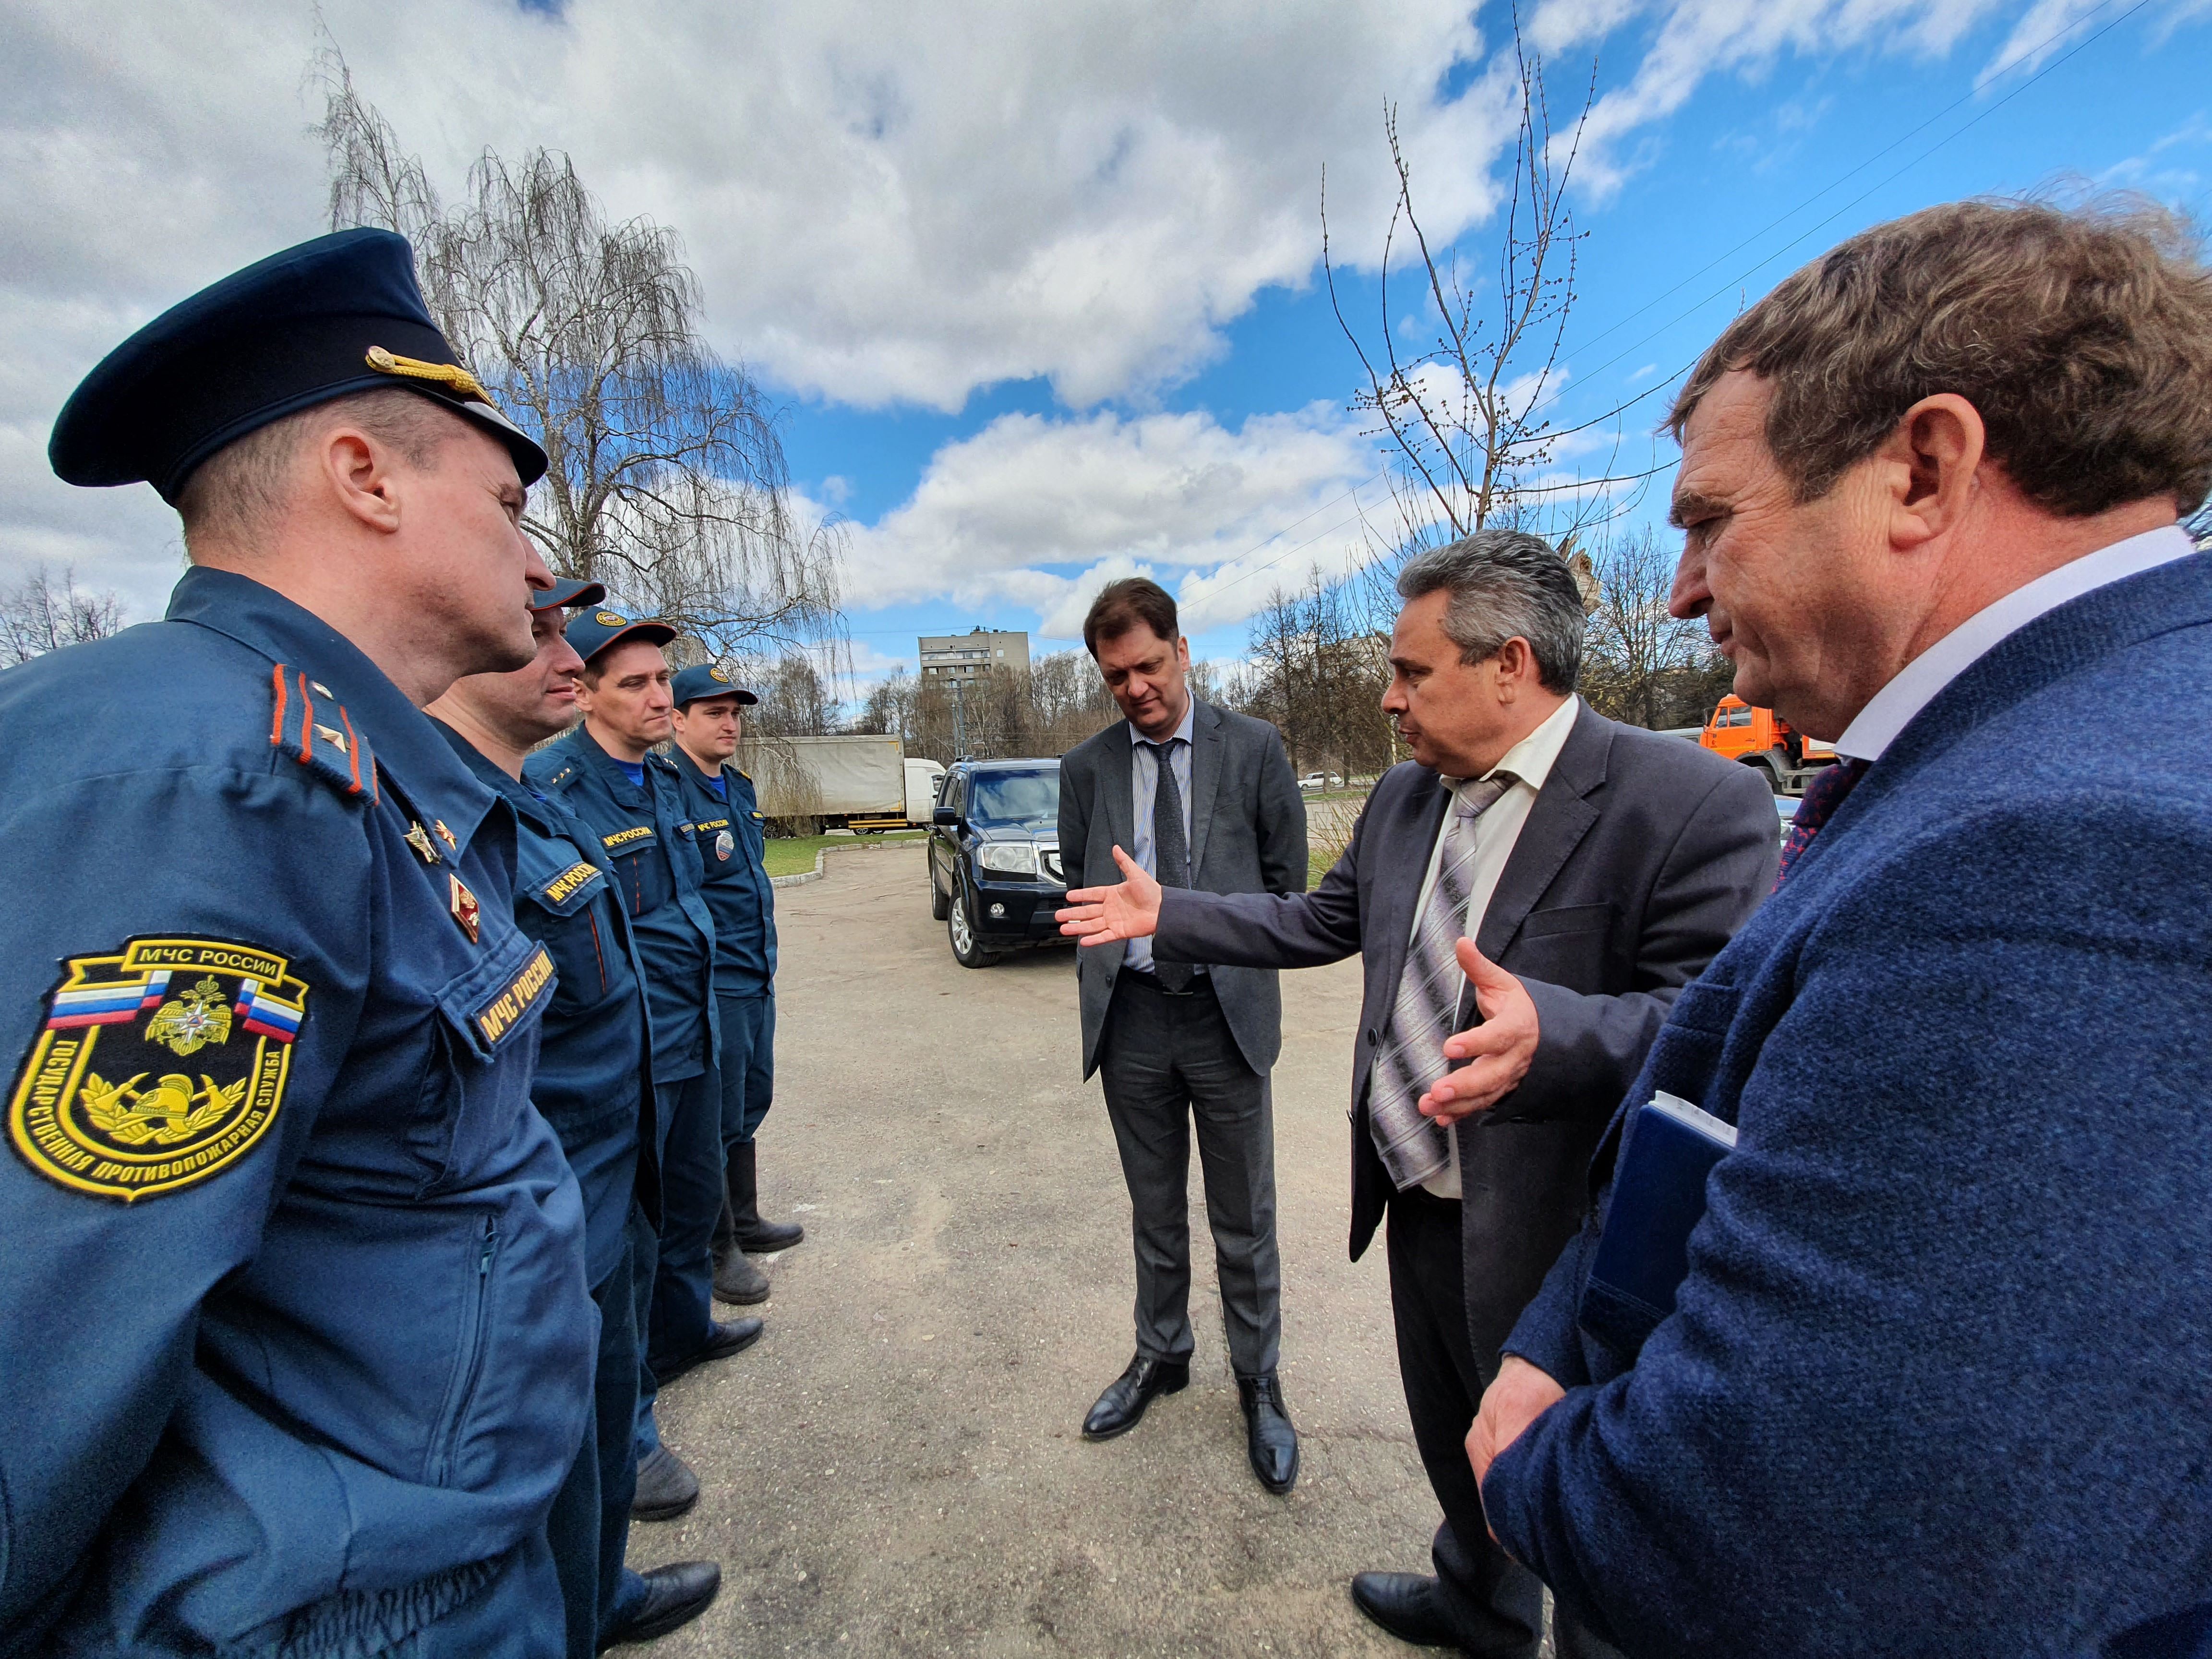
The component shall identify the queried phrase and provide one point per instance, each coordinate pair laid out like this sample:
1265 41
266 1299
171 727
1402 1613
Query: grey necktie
1412 1054
1170 853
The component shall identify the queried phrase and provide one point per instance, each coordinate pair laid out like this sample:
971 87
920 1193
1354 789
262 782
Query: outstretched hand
1501 1048
1099 915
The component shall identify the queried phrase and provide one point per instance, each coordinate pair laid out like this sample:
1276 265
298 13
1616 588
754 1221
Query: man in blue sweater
1936 1381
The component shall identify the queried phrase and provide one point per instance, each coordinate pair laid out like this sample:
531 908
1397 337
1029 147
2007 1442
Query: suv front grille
1049 857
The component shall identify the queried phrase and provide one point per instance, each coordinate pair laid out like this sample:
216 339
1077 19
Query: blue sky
1037 284
1785 163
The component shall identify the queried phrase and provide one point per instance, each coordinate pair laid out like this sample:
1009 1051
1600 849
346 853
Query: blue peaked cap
707 680
337 315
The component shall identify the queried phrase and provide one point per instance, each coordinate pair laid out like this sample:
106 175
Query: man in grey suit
1535 864
1202 799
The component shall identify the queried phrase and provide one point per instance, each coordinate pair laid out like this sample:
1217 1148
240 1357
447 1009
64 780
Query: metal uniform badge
419 839
156 1067
725 844
445 835
465 908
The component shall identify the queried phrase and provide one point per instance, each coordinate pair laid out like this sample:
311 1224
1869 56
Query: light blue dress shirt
1145 786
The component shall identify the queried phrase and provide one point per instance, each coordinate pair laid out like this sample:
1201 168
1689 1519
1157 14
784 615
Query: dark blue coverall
647 838
594 1085
298 1343
728 828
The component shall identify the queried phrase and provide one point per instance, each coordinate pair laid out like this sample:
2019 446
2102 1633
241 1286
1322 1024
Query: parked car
995 878
1321 781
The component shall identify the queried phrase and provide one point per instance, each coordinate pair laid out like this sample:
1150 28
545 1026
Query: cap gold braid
414 369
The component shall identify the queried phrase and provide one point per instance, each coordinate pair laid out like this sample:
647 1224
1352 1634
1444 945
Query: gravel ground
895 1467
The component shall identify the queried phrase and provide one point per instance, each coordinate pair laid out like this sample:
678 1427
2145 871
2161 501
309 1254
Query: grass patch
793 856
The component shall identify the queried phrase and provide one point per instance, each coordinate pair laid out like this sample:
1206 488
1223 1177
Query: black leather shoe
1270 1440
1125 1397
1409 1605
736 1279
722 1341
665 1486
674 1597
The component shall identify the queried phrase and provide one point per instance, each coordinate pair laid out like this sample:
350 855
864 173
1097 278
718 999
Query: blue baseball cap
335 316
567 593
592 631
694 684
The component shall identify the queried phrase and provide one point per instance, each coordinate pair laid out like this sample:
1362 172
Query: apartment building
962 659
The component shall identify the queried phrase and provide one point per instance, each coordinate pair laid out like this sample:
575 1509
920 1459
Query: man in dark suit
1203 798
1598 868
1935 1380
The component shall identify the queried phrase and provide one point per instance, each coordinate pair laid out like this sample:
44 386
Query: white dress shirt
1144 788
1892 708
1530 761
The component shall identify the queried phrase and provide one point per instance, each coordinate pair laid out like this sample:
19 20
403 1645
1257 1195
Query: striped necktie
1412 1055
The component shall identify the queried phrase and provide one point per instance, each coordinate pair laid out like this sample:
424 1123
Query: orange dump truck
1761 738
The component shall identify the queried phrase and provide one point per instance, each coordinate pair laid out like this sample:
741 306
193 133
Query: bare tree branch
39 615
1466 433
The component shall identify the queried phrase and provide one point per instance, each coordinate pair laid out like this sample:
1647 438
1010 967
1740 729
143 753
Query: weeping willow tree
667 479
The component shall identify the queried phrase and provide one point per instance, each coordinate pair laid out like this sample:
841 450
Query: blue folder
1658 1194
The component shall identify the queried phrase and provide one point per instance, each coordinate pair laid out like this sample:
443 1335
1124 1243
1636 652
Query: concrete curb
859 846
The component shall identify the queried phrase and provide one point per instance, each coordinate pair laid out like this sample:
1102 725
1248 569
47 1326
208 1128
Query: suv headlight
1016 858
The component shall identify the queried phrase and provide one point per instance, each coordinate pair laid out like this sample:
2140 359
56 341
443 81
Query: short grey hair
1505 584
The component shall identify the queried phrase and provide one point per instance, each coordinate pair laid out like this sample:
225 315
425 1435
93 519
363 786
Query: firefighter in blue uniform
594 1085
606 773
296 1336
727 824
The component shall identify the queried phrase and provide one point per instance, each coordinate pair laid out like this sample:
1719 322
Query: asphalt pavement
895 1467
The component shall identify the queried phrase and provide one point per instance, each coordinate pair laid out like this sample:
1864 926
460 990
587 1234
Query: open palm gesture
1099 915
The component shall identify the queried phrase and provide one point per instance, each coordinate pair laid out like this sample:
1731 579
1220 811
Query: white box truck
858 781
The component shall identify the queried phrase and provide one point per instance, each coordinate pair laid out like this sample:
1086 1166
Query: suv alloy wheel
960 928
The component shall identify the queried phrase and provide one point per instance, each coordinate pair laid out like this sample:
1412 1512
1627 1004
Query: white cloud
2047 28
1697 39
1701 37
884 203
1041 513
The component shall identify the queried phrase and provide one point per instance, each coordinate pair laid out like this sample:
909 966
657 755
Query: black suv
994 877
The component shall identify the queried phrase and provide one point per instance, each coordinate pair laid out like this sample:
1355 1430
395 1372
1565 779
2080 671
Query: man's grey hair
1505 584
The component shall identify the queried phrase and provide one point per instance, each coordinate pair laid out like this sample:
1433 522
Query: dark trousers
1496 1604
589 1526
690 1205
748 1068
1166 1062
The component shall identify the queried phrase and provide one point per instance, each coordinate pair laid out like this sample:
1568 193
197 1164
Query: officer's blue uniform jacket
728 832
595 1082
646 836
292 1295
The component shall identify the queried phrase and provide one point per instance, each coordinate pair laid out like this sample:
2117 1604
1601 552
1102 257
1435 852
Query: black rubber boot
736 1279
753 1233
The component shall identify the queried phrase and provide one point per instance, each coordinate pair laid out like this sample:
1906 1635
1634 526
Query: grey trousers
1167 1062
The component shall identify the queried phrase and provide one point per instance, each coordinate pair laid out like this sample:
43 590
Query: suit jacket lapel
1116 775
1204 779
1556 826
